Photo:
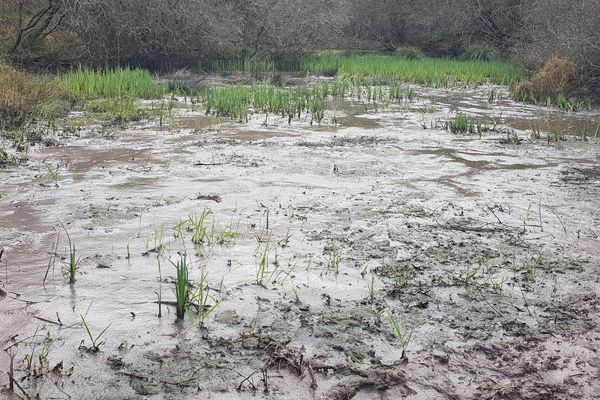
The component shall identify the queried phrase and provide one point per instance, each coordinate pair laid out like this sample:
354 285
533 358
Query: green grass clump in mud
118 110
262 267
236 101
435 72
197 224
403 337
182 287
203 301
86 84
561 101
463 124
185 296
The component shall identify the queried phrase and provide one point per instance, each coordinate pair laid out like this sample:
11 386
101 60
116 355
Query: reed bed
435 72
87 84
238 101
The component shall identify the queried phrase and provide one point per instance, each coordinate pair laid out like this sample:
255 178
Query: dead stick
524 299
11 373
565 313
63 392
492 211
21 389
52 260
559 220
247 379
488 303
47 320
540 214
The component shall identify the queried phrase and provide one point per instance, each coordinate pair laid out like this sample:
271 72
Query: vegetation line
436 72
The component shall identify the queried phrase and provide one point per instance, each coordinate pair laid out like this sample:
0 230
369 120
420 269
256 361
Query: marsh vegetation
356 203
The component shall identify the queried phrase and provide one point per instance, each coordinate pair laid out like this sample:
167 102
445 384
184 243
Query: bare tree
30 21
286 28
436 26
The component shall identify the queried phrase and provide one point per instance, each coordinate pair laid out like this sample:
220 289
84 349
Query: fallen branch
201 164
48 321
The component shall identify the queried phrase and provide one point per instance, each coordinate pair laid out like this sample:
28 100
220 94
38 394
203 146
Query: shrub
184 82
480 52
4 159
409 53
553 81
24 97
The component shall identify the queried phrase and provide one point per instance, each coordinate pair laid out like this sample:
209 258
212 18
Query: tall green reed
86 84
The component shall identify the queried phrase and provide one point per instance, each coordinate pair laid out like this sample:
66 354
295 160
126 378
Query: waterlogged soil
485 250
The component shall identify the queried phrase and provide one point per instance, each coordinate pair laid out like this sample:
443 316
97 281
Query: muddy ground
485 247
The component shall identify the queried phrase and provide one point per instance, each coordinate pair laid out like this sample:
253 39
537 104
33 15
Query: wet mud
486 252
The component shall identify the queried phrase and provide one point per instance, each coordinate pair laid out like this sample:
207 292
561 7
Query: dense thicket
174 33
164 33
439 27
561 29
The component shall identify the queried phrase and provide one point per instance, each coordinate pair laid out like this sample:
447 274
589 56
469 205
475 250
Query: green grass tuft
480 52
262 267
203 301
409 53
182 288
117 110
463 124
237 101
403 338
87 84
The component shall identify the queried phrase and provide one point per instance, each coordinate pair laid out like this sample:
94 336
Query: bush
4 159
409 53
24 97
480 52
185 82
553 81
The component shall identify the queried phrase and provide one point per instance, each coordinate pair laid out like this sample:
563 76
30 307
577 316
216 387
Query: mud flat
485 249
